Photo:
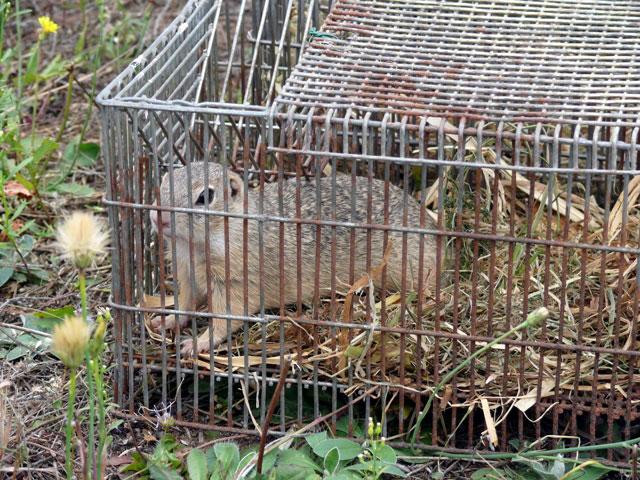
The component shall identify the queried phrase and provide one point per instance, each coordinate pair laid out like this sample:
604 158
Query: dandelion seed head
69 341
82 239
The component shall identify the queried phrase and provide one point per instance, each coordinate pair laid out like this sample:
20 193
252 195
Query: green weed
39 161
318 457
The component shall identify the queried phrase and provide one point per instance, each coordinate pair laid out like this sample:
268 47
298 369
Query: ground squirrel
211 197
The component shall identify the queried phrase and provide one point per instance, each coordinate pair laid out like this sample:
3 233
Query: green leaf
11 264
197 465
33 341
288 472
25 244
558 467
348 448
540 469
5 274
223 460
370 466
22 165
16 352
115 424
83 154
331 460
53 68
161 472
22 180
37 273
385 454
164 453
210 455
228 456
88 154
393 470
342 428
344 475
55 313
75 189
269 460
297 458
39 147
45 321
7 102
19 277
315 439
366 466
7 335
31 72
25 344
138 463
589 470
244 461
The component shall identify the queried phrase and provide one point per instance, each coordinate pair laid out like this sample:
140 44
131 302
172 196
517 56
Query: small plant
23 153
220 462
318 457
162 463
26 153
82 241
70 342
339 458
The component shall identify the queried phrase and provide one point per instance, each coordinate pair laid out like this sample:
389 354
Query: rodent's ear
235 184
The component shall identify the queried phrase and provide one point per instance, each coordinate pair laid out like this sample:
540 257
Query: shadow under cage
372 192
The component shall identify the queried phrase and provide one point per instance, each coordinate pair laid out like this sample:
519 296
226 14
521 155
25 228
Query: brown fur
190 299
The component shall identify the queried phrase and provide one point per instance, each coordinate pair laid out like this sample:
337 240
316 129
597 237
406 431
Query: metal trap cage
472 161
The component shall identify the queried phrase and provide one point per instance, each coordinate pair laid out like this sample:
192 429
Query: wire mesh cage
372 192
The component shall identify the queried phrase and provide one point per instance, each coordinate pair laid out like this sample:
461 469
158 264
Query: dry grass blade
616 217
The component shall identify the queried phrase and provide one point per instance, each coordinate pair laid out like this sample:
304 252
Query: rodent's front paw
187 350
169 322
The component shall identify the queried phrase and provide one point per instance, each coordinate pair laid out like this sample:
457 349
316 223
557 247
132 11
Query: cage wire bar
515 126
197 92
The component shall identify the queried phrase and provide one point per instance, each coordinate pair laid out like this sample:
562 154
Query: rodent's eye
205 197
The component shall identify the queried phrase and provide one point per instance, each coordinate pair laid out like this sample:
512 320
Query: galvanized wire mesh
518 60
513 124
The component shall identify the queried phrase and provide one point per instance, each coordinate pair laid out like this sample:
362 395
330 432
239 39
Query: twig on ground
25 329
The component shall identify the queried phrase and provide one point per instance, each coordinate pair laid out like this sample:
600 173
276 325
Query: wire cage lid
530 61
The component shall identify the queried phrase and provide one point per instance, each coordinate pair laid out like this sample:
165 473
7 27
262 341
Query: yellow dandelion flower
82 239
69 341
47 25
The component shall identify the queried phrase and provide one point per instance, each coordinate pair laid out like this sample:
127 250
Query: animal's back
355 253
